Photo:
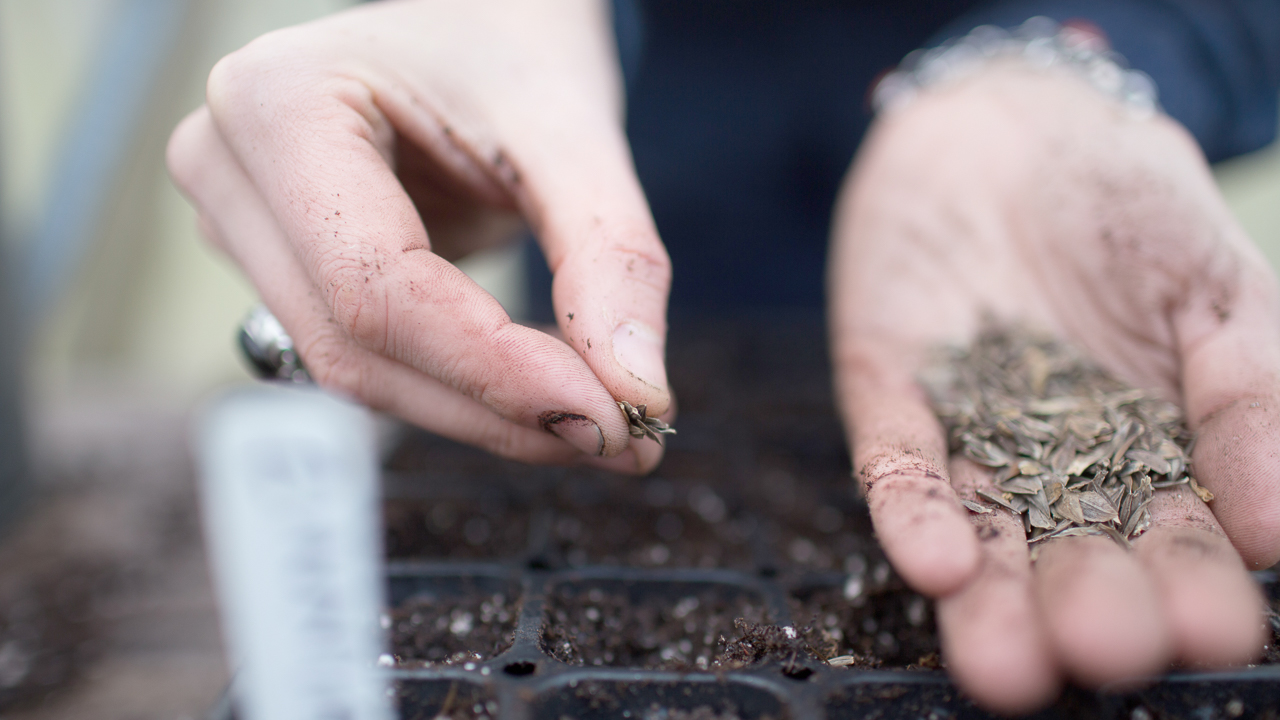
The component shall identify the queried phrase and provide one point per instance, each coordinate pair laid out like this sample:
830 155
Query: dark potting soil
703 712
445 700
1271 588
452 529
50 630
757 479
429 631
623 627
876 618
812 527
652 523
795 648
659 700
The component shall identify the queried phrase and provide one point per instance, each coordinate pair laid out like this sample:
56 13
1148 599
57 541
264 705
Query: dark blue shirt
744 115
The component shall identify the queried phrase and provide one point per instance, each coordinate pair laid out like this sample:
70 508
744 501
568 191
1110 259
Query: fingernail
626 462
639 350
577 430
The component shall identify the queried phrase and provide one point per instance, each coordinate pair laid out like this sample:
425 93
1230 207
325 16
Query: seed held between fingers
641 426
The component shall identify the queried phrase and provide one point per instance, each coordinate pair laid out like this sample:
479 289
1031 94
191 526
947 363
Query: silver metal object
269 349
1039 42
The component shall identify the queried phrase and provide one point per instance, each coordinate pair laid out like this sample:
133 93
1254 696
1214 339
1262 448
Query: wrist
1039 43
1007 126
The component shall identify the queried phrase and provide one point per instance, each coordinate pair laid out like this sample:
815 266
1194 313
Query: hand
343 163
1030 196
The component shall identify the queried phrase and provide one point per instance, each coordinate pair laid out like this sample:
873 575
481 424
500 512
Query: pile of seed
1074 451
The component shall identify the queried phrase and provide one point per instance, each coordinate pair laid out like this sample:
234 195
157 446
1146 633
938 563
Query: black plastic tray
758 433
526 683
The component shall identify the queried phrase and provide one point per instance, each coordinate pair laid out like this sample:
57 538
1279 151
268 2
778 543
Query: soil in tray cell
893 700
647 700
445 700
452 529
874 618
810 529
426 630
1271 591
666 627
665 524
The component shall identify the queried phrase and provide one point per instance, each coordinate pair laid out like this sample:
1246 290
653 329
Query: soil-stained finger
238 220
993 637
314 148
1228 332
900 456
1102 610
1213 607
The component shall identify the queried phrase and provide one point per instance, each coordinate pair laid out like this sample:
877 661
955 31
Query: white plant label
290 501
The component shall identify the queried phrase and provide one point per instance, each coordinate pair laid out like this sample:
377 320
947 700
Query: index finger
315 143
899 455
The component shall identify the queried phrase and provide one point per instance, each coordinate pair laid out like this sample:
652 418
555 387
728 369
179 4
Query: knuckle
649 265
357 299
238 76
335 366
182 154
899 462
458 370
280 76
231 78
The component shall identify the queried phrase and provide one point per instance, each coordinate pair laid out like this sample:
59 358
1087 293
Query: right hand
343 163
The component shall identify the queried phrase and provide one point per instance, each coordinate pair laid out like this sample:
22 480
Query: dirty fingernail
639 349
626 462
577 430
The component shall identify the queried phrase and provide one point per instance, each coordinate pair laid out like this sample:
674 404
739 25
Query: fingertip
194 148
1010 678
649 455
994 641
1227 637
925 533
578 430
610 291
640 351
1103 612
1214 608
626 462
641 457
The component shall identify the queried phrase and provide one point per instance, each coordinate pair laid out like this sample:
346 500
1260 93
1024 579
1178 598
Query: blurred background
119 320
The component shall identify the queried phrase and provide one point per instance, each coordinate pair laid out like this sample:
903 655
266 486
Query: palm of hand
1040 204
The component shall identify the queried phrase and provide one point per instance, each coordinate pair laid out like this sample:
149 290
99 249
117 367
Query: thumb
611 272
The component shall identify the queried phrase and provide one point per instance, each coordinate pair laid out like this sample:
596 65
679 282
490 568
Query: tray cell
445 700
649 625
658 700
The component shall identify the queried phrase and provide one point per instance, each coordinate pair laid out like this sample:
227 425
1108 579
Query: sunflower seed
641 425
1071 449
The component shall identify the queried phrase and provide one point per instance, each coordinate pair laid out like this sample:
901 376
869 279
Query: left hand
1031 196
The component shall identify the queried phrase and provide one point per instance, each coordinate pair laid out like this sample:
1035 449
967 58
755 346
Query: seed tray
528 593
526 682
